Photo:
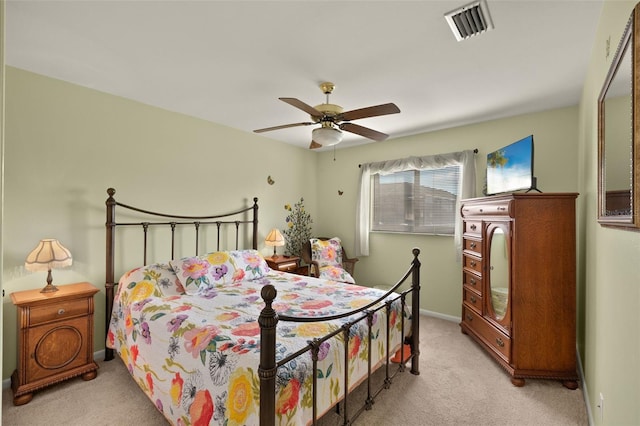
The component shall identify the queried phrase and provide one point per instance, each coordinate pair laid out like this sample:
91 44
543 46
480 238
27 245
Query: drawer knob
473 281
469 317
502 208
473 245
473 227
473 299
499 342
473 263
60 311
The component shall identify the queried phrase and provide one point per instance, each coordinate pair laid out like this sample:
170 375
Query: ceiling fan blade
315 145
372 111
363 131
284 126
301 105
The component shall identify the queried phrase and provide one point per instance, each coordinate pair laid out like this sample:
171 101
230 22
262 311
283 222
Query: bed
220 338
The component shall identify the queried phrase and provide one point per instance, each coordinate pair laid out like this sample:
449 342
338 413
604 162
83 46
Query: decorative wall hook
270 181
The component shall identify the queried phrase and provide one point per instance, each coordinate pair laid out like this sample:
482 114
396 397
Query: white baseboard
583 383
439 315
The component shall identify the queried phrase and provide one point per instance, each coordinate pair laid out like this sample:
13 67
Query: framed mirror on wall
619 134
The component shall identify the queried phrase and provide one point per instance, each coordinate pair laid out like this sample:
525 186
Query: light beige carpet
459 385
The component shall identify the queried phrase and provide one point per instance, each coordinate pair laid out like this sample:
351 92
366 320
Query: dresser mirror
498 271
619 137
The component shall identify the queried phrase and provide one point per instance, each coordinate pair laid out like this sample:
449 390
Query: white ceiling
229 61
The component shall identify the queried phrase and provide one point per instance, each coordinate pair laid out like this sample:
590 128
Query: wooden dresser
519 283
55 338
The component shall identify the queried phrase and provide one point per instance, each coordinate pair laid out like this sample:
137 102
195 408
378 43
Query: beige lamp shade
48 254
274 239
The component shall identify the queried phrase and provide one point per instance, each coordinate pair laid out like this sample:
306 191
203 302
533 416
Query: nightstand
55 338
283 263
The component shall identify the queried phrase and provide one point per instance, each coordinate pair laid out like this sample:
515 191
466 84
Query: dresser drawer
472 281
474 246
473 227
499 342
472 299
58 311
473 263
495 208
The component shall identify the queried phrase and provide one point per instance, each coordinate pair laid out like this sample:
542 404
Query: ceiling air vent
469 20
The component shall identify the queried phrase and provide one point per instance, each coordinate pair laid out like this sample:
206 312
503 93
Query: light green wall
65 145
556 142
609 259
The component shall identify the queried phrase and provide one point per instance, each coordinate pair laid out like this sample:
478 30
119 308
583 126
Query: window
416 201
414 194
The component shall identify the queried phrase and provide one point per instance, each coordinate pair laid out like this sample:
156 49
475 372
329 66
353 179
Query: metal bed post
415 313
110 267
267 369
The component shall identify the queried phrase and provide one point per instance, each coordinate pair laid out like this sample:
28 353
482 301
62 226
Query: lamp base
49 288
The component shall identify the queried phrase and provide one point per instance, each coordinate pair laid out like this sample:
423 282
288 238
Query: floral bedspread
196 353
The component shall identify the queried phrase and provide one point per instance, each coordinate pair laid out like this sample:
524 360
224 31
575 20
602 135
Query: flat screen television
510 168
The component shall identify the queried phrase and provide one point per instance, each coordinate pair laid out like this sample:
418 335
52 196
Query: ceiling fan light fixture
326 136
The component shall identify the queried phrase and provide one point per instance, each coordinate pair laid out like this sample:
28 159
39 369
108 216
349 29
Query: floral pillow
251 262
336 273
200 273
328 254
157 279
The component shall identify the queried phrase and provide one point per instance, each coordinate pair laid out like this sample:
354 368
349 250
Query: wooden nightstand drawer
283 263
58 311
288 267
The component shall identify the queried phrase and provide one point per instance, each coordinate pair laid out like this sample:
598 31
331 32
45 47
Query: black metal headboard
155 219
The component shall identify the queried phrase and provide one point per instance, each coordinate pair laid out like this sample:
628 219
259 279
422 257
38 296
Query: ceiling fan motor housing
328 110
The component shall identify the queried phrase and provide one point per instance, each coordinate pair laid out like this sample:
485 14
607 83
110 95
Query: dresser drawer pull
472 245
469 317
61 311
499 342
502 208
473 227
473 299
473 263
473 281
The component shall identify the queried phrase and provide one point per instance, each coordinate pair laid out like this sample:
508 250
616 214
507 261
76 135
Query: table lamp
274 239
48 254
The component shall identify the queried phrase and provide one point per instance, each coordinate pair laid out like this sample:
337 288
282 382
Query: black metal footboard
268 368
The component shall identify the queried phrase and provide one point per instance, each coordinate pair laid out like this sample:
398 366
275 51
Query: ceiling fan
333 120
